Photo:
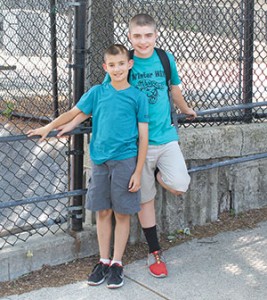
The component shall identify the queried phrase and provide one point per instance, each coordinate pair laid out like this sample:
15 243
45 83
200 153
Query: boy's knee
106 213
121 216
177 193
179 186
122 219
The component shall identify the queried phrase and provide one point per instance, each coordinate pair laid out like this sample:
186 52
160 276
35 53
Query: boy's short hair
116 49
142 20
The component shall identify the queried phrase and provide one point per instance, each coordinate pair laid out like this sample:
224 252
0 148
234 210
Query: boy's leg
124 204
174 177
173 174
121 235
104 232
147 218
165 186
98 199
147 215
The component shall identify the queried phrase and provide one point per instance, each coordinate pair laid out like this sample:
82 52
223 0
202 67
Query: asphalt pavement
231 265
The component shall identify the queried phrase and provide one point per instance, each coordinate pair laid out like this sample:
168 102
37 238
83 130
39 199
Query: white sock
116 262
105 261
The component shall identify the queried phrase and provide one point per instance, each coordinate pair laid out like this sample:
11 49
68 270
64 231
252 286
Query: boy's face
143 39
117 66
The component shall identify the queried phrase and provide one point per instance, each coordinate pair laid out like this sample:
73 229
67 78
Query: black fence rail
18 227
51 211
51 51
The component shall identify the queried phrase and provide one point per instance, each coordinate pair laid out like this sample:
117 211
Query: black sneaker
98 274
115 276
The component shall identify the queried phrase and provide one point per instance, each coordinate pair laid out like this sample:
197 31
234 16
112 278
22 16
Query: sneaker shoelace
157 257
99 265
116 269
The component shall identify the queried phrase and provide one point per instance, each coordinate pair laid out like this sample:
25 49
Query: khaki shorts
170 161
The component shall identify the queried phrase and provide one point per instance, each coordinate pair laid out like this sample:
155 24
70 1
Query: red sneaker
156 264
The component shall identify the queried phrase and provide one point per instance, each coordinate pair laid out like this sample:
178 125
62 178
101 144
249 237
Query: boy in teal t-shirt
118 150
164 161
116 114
148 76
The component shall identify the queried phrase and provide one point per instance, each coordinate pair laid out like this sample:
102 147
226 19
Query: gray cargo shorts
108 187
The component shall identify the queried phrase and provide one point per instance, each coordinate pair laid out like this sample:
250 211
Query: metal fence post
77 140
248 56
53 33
100 35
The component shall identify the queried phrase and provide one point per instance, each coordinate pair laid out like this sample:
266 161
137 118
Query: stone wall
237 187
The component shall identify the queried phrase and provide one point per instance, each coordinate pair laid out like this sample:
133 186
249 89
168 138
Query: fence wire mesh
35 50
219 46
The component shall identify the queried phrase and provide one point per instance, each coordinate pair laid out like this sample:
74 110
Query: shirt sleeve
106 79
175 79
143 113
85 104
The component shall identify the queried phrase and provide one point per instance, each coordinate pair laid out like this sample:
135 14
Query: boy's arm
62 119
135 182
72 124
180 102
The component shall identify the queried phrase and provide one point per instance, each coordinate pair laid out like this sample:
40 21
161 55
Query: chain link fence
219 46
220 49
36 85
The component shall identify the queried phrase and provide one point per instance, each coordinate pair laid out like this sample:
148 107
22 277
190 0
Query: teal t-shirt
148 76
115 118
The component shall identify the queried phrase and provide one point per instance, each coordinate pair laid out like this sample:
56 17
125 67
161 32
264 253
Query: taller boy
164 153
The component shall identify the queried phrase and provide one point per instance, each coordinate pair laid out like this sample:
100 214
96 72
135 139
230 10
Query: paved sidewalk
231 265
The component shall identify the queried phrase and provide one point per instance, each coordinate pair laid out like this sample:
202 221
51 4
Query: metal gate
41 76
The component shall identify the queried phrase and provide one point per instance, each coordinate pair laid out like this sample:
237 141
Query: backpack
167 70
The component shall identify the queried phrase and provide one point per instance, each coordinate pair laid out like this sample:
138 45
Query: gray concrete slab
231 265
81 291
52 250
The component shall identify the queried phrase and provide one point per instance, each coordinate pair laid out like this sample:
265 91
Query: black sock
152 238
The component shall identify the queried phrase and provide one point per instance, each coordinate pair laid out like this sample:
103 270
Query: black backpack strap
164 59
167 70
166 65
131 54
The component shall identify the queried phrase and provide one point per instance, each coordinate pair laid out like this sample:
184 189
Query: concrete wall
52 249
239 187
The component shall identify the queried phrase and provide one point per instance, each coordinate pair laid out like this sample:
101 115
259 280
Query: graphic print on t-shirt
151 89
150 83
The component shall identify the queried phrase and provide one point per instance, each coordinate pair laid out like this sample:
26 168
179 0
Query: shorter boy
118 150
